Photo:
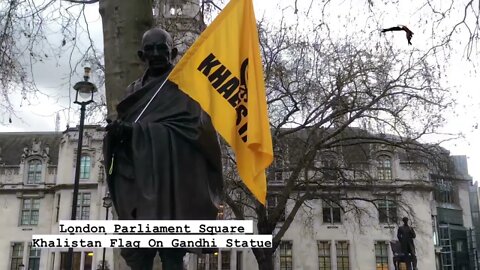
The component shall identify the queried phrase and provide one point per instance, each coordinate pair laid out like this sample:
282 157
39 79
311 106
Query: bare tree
37 32
332 105
447 23
23 31
319 89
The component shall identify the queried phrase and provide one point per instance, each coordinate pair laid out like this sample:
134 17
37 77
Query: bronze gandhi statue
167 165
405 235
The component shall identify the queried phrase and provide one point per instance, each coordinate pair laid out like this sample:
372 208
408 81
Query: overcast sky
53 77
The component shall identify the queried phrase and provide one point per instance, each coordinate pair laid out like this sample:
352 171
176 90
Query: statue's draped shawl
171 169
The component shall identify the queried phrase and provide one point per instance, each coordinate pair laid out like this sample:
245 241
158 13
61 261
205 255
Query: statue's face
157 50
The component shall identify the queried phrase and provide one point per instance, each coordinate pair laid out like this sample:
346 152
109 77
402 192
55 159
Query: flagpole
151 99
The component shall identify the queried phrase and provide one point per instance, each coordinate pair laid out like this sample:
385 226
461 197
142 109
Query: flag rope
151 99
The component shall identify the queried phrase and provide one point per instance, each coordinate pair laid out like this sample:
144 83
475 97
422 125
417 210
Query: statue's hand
120 129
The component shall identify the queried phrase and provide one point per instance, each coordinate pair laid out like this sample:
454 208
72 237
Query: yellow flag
222 71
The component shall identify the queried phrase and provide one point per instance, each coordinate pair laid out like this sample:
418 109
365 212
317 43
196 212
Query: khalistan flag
222 71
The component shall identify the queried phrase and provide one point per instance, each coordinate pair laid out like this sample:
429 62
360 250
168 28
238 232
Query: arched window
34 172
384 167
85 167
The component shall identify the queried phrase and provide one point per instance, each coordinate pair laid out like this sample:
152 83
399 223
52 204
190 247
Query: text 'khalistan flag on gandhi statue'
222 71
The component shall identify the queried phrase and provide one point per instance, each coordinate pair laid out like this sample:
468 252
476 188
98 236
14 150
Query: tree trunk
124 22
266 264
264 258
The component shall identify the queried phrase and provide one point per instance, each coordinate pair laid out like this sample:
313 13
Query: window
384 168
30 211
34 173
286 260
34 259
17 256
381 255
175 7
176 10
83 206
52 262
387 211
239 260
213 261
201 261
278 166
225 259
459 245
343 260
77 258
331 212
88 260
208 261
324 259
444 191
272 202
85 167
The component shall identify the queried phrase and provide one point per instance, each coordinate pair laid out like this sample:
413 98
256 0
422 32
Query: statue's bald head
157 50
157 35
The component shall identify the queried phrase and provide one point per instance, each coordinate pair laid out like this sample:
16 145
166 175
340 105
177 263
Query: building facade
36 188
355 231
457 222
335 235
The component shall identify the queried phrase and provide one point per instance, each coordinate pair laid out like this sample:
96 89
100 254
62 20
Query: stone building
475 233
355 230
356 233
36 183
36 187
456 224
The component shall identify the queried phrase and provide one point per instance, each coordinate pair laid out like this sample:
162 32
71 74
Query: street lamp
107 203
21 266
83 97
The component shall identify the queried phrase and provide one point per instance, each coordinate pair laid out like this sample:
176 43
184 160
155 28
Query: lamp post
84 96
107 203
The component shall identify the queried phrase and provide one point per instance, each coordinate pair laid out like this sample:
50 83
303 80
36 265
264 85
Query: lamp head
85 89
107 201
